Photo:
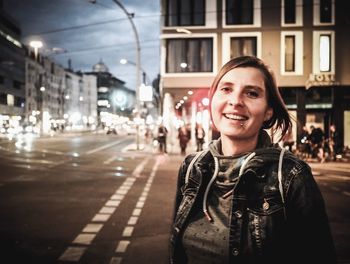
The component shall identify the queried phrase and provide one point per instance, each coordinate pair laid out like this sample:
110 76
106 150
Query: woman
245 200
200 134
184 137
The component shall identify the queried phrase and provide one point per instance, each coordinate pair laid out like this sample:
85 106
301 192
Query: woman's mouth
236 117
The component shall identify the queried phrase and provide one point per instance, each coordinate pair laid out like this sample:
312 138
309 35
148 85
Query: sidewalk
335 167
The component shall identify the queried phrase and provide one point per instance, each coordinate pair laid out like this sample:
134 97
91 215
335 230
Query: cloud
109 35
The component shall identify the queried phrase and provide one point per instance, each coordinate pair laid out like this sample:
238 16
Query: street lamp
138 67
145 77
130 16
36 45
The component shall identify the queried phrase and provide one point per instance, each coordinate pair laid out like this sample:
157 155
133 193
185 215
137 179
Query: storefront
320 106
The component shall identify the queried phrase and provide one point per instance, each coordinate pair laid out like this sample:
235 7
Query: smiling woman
246 200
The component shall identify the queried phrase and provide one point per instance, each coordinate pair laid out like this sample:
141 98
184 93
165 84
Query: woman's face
239 105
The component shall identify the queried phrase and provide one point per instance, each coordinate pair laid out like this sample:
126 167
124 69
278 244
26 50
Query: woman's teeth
235 117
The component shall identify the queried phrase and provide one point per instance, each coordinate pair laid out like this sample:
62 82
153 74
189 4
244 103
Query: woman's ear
268 114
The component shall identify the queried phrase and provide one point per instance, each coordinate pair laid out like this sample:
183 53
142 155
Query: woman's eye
225 89
252 94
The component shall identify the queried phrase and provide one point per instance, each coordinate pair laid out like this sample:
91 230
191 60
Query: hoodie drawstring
216 171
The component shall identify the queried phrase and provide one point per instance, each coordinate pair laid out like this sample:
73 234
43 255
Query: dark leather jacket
294 231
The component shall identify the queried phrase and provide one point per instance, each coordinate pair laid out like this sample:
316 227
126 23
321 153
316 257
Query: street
89 198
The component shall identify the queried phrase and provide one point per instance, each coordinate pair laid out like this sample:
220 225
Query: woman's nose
235 99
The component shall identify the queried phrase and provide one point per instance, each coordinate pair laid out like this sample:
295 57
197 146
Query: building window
292 13
243 46
16 85
289 12
10 99
239 12
324 12
3 98
289 60
291 52
185 13
189 55
237 44
323 52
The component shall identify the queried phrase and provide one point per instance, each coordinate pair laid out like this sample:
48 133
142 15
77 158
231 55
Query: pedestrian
317 143
246 200
162 135
335 144
200 134
304 146
184 136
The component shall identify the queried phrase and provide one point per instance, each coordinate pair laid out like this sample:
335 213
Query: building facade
58 98
112 95
304 41
12 90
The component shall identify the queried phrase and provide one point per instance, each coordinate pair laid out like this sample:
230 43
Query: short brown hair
280 118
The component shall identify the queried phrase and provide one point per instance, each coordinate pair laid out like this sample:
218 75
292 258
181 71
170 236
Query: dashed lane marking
103 147
73 254
346 193
128 231
85 238
129 228
122 246
115 260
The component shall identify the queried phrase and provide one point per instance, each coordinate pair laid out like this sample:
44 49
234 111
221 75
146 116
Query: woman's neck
234 147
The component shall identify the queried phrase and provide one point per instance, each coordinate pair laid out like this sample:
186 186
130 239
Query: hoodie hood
264 141
265 153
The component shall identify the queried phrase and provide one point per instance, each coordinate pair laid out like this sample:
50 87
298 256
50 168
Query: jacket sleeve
307 220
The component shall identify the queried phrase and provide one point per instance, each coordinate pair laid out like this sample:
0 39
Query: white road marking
116 260
133 220
107 210
72 254
84 239
128 231
110 160
103 147
136 212
117 197
101 217
75 253
140 204
122 246
346 193
92 228
139 168
113 203
335 189
121 191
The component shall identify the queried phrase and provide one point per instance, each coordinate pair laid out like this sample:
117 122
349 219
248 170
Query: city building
58 98
306 43
112 94
80 101
12 90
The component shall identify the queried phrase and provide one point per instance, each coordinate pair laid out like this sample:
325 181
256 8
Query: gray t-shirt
208 242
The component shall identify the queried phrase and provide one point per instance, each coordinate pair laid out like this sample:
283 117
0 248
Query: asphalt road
90 199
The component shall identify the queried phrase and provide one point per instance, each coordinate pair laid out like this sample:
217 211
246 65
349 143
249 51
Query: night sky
88 33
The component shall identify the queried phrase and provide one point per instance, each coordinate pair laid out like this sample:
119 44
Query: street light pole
138 67
145 77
